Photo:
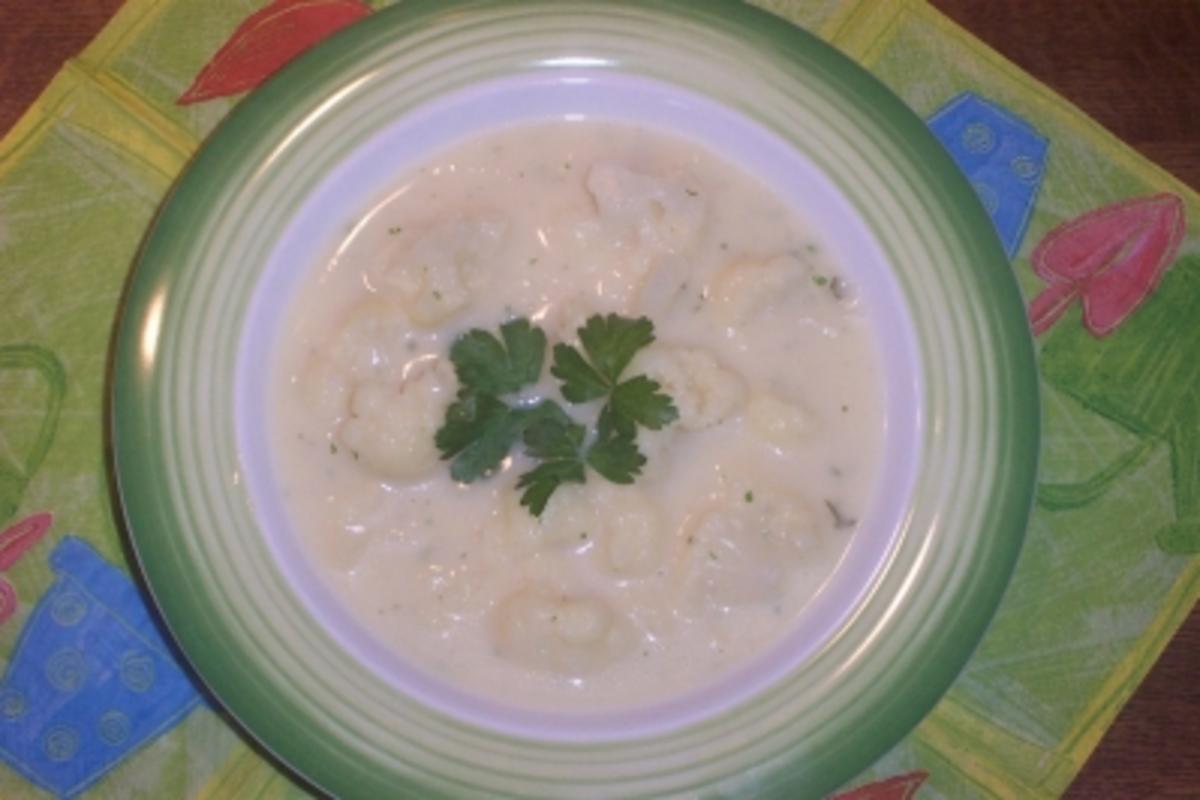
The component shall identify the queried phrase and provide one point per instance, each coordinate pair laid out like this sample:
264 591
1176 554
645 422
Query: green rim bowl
299 154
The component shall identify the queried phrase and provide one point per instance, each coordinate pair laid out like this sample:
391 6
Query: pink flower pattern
898 787
14 541
1111 258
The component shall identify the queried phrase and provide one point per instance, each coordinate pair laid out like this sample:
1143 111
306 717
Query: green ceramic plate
299 159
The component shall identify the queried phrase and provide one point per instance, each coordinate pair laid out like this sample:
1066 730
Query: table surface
1134 67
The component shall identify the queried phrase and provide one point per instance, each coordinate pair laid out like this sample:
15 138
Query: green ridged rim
249 635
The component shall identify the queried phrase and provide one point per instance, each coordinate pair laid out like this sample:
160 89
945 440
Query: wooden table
1134 67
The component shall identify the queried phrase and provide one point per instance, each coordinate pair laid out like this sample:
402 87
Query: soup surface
617 594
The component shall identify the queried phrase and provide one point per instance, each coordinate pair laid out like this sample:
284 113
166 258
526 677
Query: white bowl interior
576 93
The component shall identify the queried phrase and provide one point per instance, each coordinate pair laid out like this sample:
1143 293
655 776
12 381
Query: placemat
95 701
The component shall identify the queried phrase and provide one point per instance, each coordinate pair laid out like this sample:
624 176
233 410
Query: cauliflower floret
391 427
634 542
664 215
568 635
618 521
570 520
446 269
749 291
777 421
763 292
371 343
704 391
744 549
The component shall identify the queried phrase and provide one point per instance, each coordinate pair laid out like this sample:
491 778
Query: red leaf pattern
268 39
900 787
22 535
1111 258
8 600
14 541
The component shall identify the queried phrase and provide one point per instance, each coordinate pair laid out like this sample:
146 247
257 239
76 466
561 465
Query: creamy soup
616 595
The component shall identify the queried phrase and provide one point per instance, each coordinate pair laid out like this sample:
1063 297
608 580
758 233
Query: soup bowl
300 162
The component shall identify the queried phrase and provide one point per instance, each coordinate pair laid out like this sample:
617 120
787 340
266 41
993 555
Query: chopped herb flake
840 520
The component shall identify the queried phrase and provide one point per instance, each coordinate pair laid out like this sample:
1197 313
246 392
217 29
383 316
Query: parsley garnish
480 428
611 342
486 366
637 401
616 458
556 443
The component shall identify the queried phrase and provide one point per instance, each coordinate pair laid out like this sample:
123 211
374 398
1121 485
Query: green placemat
93 700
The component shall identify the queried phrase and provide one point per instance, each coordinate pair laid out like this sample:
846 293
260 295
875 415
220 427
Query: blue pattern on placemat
1003 156
90 679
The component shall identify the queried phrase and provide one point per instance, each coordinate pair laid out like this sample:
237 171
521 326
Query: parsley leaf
484 365
612 341
554 437
555 441
478 432
581 382
616 458
637 401
542 481
480 429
